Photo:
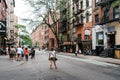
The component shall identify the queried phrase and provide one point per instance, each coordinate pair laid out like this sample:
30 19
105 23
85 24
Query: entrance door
111 40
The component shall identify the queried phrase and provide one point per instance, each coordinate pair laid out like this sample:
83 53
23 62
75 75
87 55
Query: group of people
20 53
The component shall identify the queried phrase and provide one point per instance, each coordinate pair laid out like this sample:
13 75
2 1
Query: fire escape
105 6
63 21
77 10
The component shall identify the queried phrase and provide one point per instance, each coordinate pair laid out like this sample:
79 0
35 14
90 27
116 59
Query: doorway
111 40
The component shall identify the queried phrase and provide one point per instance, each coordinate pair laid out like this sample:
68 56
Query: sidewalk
5 63
91 57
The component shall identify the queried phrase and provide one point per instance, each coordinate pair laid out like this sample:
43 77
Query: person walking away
7 50
52 58
12 53
26 53
76 52
22 54
32 53
19 52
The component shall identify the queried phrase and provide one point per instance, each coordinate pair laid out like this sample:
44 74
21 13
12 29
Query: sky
21 10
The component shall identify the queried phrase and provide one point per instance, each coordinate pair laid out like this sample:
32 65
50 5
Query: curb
84 57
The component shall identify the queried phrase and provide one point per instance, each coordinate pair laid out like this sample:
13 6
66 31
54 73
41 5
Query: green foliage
19 26
116 3
36 43
26 40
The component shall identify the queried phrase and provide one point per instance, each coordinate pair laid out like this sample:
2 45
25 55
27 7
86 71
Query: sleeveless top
52 54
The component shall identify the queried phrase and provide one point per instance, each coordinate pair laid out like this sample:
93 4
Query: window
100 38
68 37
87 3
79 38
87 17
74 36
81 4
106 15
96 18
81 18
77 18
96 2
116 12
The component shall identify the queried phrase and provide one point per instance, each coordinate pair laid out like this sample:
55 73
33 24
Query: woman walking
12 53
19 52
32 53
52 58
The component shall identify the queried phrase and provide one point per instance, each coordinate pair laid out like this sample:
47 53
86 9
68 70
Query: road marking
91 61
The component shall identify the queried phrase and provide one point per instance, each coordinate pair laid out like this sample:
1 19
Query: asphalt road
69 68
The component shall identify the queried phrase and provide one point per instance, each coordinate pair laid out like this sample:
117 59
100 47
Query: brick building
3 9
106 25
77 21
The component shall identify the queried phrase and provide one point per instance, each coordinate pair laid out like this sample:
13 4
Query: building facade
37 37
76 24
10 22
106 23
3 17
82 10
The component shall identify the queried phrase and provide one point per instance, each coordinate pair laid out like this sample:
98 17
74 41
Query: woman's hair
26 48
32 48
51 49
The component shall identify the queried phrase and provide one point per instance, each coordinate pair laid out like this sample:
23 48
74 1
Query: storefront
99 38
3 35
104 39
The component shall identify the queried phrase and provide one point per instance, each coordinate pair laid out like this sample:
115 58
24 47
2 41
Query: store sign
99 28
87 32
2 27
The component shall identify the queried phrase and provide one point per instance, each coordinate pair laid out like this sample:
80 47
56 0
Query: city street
69 68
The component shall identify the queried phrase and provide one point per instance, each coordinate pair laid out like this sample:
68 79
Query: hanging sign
2 27
87 32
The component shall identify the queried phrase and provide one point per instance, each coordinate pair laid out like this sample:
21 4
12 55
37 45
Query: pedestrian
64 48
22 54
18 54
52 58
7 50
26 54
76 52
32 53
80 51
12 53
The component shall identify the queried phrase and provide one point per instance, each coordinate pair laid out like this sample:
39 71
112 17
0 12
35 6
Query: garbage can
117 51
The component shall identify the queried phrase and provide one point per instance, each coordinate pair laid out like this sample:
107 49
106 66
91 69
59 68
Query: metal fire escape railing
106 5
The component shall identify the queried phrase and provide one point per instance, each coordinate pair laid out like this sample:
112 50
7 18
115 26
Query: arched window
87 16
106 15
81 18
87 3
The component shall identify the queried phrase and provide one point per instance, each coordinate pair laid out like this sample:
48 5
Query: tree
26 40
42 10
115 3
23 35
